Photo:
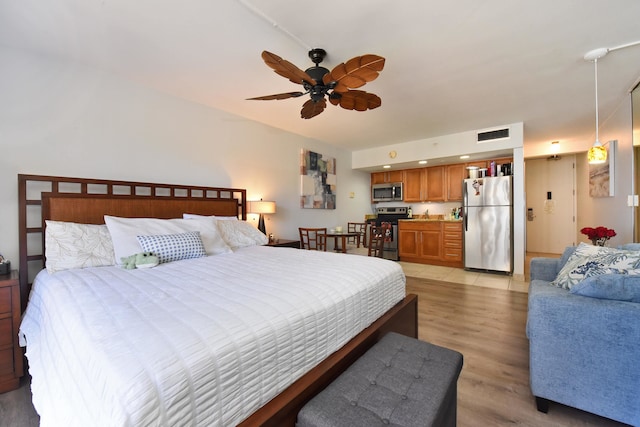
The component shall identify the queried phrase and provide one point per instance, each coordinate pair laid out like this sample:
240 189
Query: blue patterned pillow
588 260
173 247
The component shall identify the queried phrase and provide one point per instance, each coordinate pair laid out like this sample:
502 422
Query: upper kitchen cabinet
413 190
435 184
425 184
455 175
386 177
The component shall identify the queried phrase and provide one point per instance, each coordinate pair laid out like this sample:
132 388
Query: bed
244 337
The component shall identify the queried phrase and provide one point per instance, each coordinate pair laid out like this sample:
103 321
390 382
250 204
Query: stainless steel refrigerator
488 223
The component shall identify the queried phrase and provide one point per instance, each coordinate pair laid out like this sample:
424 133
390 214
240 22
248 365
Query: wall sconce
261 207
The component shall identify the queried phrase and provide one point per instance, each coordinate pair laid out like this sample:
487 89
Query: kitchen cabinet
386 177
430 242
419 240
435 183
412 186
452 241
455 175
424 184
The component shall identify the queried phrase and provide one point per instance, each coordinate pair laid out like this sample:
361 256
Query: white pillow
173 247
72 245
589 260
239 234
124 232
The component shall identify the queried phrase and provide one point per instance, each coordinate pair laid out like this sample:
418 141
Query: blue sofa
584 351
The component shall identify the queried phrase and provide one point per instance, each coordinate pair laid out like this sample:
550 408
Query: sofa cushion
589 260
630 246
619 287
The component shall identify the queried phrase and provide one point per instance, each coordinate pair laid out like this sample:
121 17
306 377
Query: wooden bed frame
88 200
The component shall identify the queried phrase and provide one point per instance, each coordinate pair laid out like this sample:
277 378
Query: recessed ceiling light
386 166
464 157
422 162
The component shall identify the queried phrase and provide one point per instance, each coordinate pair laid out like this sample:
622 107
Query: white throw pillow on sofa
589 260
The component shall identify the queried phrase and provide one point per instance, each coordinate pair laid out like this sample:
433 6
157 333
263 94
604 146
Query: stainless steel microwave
391 192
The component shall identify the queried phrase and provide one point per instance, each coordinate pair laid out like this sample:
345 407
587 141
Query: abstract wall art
601 176
317 181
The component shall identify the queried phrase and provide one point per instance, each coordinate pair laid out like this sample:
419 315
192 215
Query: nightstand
284 243
10 351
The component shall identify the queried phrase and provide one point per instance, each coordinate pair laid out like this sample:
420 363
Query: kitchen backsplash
421 208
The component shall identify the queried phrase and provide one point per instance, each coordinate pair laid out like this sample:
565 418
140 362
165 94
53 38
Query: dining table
342 236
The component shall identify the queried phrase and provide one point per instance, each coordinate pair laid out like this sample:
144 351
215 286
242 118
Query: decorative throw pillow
124 232
72 245
173 247
619 287
239 234
589 260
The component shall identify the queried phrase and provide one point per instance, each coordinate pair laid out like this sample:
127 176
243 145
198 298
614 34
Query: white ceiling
451 66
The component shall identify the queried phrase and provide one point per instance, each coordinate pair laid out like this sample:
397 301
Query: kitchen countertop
431 220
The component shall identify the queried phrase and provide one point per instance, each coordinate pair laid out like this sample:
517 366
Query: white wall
65 119
611 212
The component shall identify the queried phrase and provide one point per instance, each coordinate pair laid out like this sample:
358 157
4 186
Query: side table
284 243
10 351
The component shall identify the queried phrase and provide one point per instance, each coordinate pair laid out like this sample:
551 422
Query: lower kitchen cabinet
452 242
430 242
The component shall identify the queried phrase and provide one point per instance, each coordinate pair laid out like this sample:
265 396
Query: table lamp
261 207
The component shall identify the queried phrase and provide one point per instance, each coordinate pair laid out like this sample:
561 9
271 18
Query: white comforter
201 342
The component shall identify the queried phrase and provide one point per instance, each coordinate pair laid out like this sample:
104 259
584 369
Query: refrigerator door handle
465 220
465 204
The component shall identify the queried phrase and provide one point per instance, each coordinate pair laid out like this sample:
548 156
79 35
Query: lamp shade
597 154
261 207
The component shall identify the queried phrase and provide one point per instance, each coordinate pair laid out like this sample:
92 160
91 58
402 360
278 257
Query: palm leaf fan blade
355 72
312 108
277 96
286 69
359 100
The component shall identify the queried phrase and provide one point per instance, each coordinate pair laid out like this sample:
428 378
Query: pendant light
597 153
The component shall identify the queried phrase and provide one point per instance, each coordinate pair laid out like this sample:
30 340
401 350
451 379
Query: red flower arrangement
598 235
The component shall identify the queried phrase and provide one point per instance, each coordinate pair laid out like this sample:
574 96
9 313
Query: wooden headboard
86 201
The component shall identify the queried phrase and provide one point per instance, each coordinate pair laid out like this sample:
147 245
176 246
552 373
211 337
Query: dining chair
314 239
358 227
376 241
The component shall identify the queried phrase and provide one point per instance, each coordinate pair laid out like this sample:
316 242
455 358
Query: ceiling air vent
492 135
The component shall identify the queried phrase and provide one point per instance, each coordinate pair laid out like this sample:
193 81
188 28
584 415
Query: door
488 191
455 175
487 238
413 185
551 200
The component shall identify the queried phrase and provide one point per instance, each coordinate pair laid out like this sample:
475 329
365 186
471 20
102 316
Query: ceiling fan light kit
321 84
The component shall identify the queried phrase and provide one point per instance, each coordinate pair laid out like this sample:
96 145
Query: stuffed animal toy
140 260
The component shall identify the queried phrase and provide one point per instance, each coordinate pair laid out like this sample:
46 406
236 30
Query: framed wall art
602 176
317 181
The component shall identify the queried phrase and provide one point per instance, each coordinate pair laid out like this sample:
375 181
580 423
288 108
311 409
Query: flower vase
599 241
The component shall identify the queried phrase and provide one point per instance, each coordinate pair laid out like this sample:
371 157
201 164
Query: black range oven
391 215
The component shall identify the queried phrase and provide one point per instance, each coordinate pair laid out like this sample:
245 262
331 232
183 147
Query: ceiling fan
336 84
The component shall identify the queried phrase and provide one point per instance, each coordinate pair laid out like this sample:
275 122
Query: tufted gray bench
400 381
